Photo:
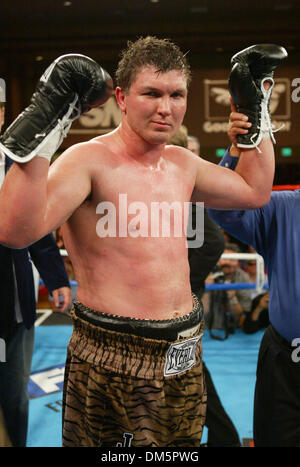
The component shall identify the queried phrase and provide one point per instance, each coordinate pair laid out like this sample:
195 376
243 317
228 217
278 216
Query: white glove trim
265 129
59 132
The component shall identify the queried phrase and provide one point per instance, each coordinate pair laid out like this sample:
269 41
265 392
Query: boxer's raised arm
70 86
35 200
248 187
250 83
30 204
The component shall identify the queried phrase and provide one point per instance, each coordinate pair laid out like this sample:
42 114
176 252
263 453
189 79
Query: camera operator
227 307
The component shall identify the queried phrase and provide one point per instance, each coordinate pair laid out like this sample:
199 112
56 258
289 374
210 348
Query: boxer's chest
144 185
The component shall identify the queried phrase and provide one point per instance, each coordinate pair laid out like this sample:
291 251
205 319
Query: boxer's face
155 105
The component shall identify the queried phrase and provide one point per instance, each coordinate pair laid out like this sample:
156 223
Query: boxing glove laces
70 86
251 69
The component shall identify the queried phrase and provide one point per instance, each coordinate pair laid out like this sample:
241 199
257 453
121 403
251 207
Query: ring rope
285 187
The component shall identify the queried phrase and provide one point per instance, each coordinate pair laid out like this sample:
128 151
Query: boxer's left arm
248 187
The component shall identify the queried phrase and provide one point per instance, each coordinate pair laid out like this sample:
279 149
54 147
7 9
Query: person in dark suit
18 314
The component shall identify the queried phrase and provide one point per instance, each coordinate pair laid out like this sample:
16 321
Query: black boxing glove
250 69
71 85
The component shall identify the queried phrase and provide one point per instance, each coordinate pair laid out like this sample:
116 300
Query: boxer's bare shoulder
80 159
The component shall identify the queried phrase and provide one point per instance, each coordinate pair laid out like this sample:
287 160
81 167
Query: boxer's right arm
31 205
35 200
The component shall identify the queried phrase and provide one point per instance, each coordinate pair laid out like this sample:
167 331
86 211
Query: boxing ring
232 364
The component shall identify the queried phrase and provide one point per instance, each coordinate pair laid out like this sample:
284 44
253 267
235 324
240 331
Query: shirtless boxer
133 373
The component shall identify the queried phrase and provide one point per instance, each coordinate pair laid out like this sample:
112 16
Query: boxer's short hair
163 54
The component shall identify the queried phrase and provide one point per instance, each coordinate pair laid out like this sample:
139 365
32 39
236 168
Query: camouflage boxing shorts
131 382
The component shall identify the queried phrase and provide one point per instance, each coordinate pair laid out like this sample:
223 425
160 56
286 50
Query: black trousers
277 393
221 430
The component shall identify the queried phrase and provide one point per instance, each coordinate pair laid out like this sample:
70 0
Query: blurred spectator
250 267
258 317
243 248
227 307
194 145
